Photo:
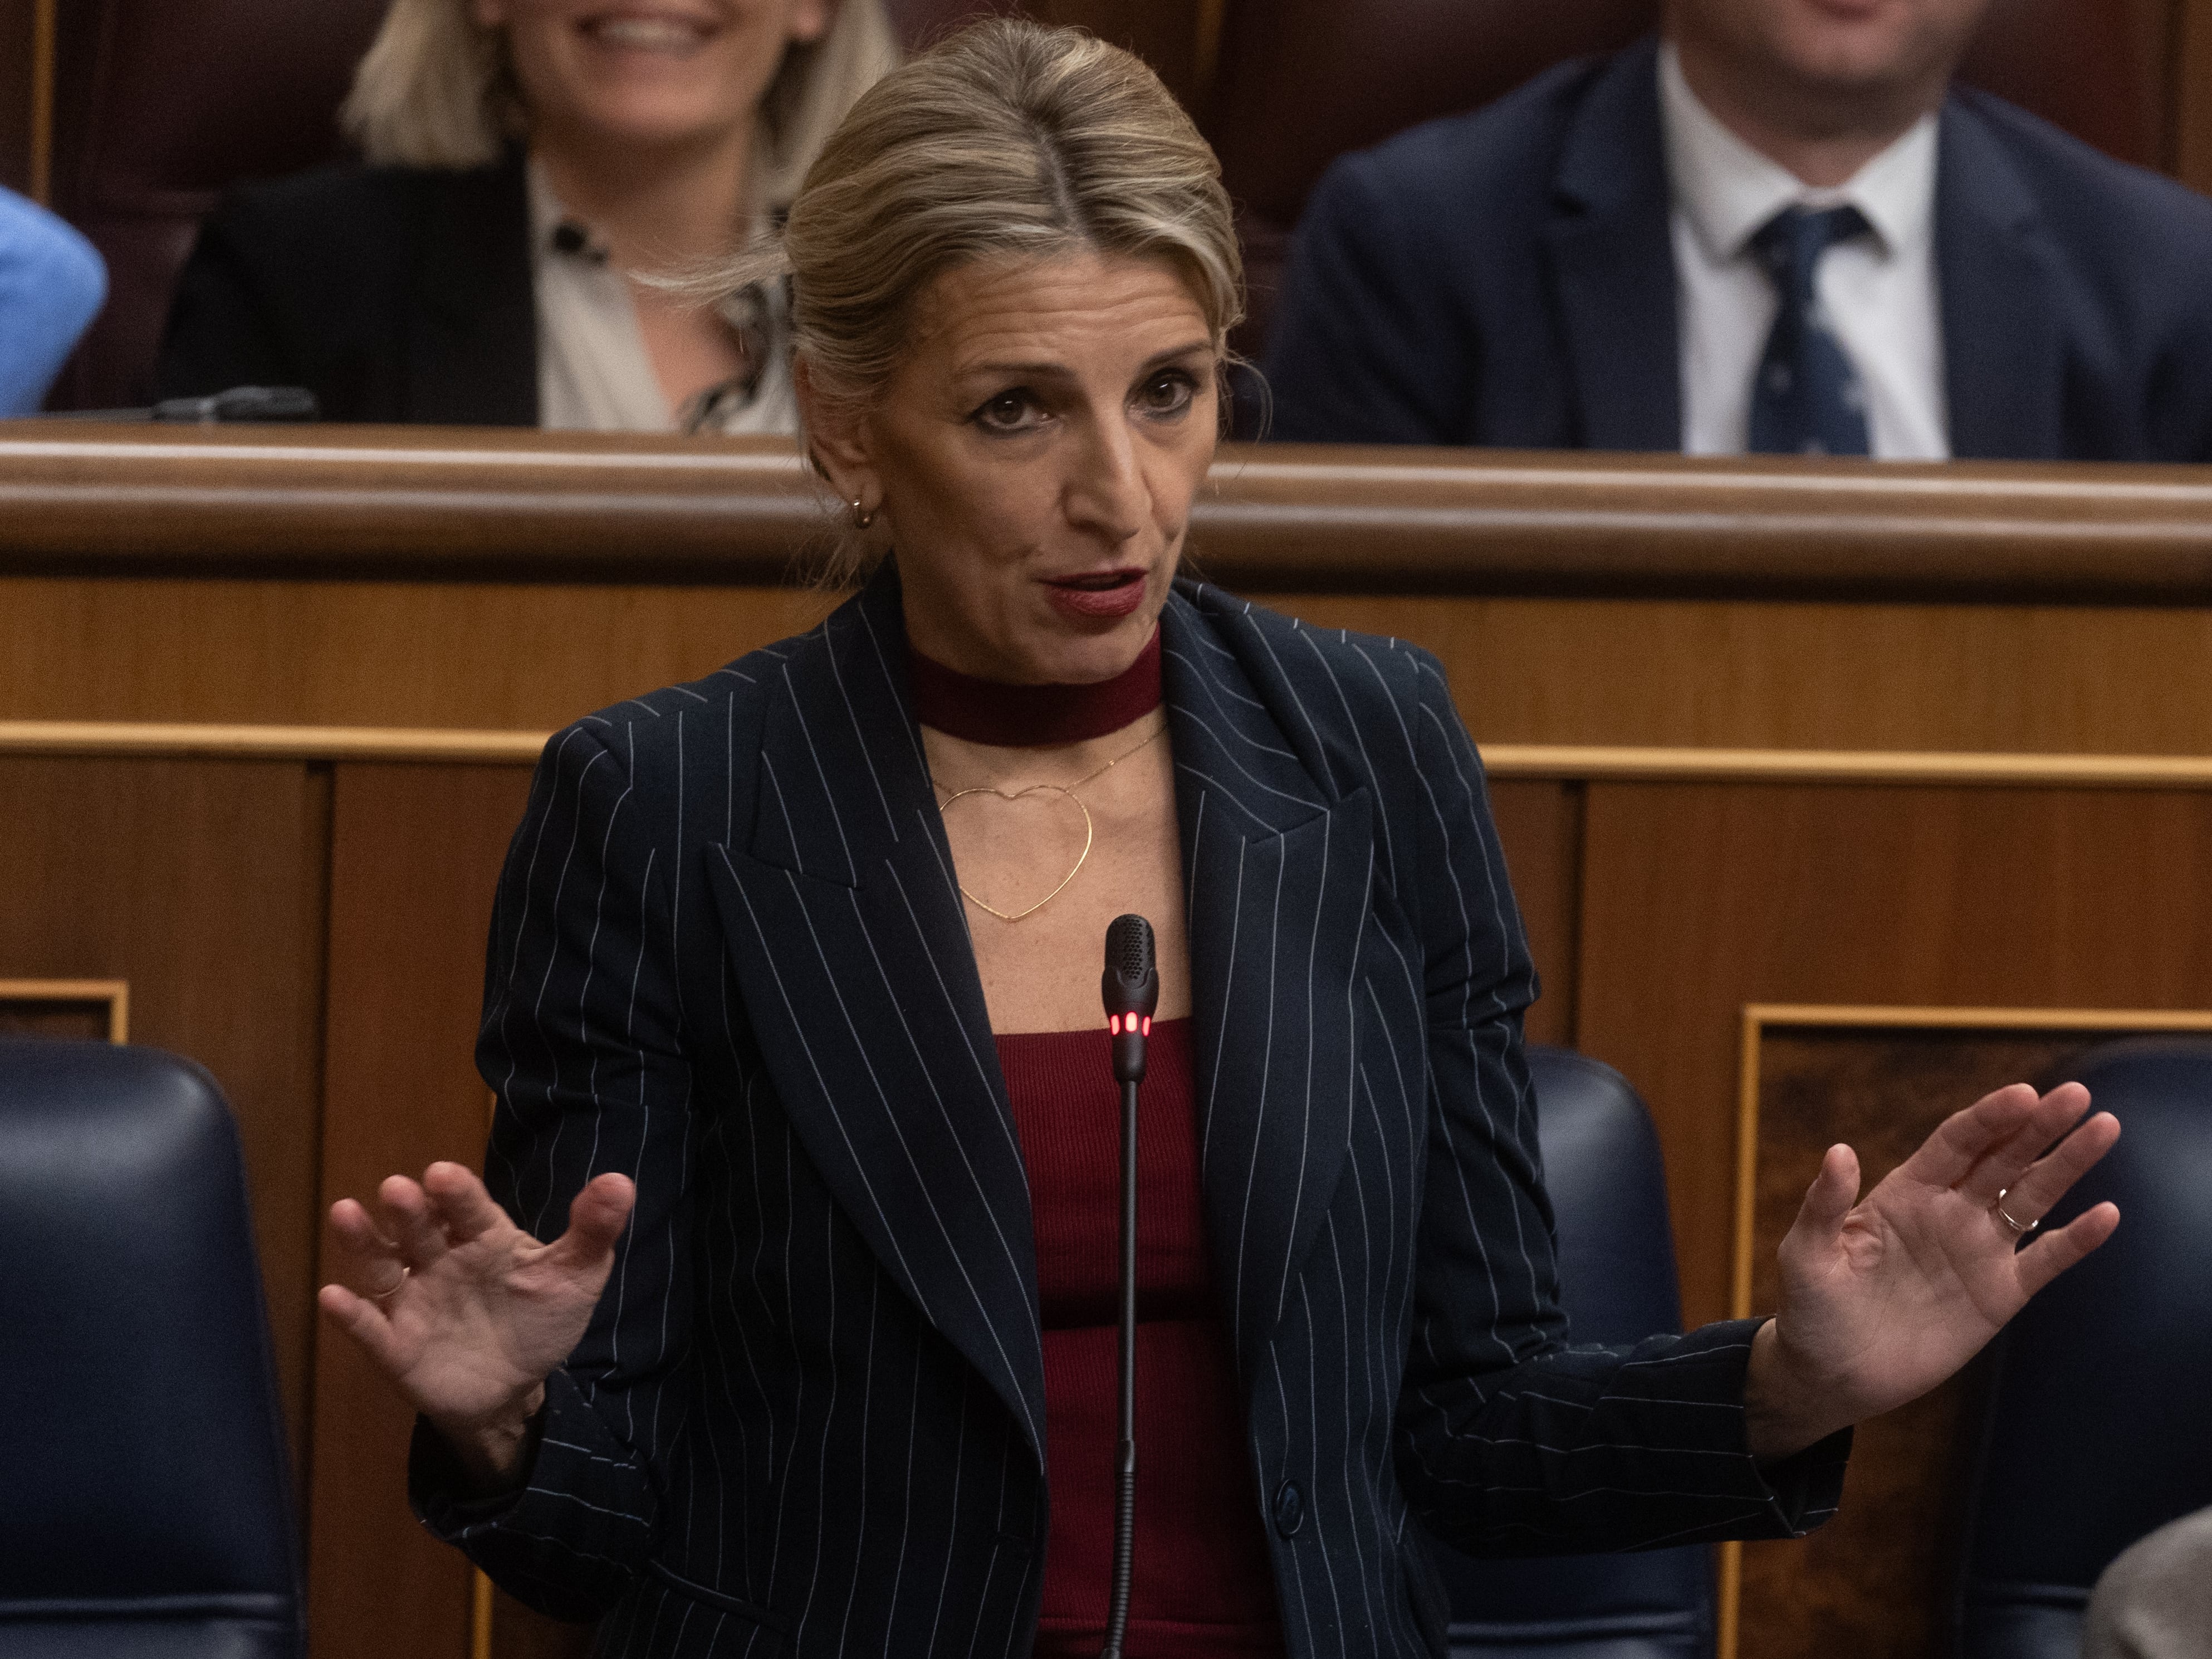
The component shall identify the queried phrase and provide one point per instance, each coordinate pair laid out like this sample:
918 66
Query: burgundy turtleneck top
1202 1584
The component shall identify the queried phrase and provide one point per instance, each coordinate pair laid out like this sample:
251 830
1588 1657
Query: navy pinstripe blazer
728 959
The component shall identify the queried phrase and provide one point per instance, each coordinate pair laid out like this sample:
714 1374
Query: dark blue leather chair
2099 1422
145 1512
1609 1189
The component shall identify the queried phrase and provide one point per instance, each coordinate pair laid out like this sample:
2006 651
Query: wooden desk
1823 735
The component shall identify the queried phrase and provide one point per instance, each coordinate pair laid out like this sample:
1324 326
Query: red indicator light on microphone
1113 1024
1148 1025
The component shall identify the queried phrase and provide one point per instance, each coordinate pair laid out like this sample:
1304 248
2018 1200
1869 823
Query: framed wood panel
1698 898
416 853
1877 1578
198 884
82 1010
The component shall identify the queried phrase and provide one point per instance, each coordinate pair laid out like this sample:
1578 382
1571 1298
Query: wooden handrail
1562 762
421 503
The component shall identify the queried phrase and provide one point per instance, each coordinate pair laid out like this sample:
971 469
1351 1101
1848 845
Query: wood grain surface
1275 518
2192 135
60 1010
200 883
1539 823
1876 1581
1699 899
416 851
532 656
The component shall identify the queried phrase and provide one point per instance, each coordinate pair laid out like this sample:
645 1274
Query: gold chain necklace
1066 789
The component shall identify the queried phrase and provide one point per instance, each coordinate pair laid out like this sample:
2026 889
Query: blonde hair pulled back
435 90
1006 139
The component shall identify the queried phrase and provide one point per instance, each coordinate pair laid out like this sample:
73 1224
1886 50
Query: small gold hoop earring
861 520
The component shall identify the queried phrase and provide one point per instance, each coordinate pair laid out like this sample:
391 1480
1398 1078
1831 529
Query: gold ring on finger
2019 1229
385 1296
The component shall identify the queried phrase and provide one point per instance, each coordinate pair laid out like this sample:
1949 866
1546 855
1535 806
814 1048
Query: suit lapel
1277 871
846 934
1611 257
472 348
2003 364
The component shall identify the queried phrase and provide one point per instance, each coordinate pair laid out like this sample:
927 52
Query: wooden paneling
2192 79
200 883
516 580
1165 33
18 22
1539 823
1734 673
2101 70
1877 1578
66 1009
1802 675
450 504
1173 36
1700 899
416 851
522 656
74 1021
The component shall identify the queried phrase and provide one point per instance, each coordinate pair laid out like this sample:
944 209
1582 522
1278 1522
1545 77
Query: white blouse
594 373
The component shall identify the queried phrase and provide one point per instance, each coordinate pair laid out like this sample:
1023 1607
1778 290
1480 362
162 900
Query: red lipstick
1107 596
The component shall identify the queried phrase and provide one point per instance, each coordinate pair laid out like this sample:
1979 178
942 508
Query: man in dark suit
1778 227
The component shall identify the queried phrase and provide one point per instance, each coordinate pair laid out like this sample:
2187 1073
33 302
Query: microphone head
1131 983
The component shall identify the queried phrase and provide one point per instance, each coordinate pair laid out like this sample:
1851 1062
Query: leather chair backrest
1302 81
1608 1190
2096 1428
146 1511
159 106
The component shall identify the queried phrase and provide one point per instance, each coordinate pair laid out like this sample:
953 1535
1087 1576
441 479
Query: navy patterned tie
1807 400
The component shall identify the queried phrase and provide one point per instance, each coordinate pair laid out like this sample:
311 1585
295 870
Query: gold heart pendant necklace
1067 789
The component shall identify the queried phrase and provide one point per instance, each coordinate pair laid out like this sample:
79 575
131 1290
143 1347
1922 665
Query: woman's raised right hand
466 1313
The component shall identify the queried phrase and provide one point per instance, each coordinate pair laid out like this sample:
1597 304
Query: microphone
1130 987
240 403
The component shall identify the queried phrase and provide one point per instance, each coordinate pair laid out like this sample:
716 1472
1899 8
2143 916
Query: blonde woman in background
530 166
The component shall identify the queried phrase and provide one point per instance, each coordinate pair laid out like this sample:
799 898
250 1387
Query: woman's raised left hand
1883 1298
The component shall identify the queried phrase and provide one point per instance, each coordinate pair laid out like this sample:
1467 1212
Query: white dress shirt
1878 291
594 373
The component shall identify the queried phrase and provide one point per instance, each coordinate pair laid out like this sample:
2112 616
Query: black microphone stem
1125 1451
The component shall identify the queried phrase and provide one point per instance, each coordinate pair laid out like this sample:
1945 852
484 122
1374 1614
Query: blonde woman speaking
793 1015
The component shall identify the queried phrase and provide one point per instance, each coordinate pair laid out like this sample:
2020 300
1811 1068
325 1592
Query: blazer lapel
1612 261
1277 873
472 348
2004 366
846 934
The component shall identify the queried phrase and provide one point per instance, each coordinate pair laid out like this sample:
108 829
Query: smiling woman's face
1034 457
647 72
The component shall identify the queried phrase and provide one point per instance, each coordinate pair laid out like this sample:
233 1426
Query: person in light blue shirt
52 282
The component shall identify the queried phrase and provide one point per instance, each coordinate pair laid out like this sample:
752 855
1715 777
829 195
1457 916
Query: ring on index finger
2019 1229
385 1296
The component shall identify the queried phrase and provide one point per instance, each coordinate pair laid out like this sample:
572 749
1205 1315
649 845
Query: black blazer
1507 278
392 294
729 960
